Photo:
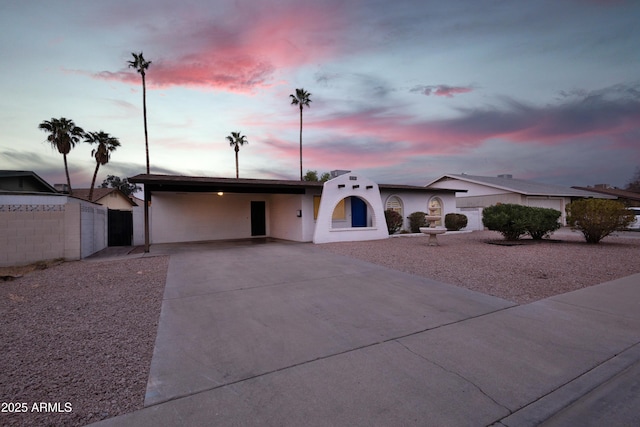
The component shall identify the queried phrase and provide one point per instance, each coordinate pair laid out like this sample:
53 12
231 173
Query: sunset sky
402 91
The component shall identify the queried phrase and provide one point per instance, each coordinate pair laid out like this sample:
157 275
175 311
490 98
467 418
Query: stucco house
111 198
484 191
629 198
24 182
347 207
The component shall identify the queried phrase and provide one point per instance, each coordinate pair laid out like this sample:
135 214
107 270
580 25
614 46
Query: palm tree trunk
144 114
237 173
301 142
66 171
93 182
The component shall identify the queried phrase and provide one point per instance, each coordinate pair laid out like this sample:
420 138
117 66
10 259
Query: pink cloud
243 51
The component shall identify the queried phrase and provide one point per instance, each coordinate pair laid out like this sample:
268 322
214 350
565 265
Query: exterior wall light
220 193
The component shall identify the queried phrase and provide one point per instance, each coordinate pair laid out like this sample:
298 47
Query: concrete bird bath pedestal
432 230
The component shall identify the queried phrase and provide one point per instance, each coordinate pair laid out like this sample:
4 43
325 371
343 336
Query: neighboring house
348 207
38 223
112 198
629 198
23 182
125 217
484 191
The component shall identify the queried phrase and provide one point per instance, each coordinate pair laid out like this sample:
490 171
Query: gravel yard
83 332
79 332
522 273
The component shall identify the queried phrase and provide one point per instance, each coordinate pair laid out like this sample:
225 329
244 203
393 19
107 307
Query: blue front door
358 212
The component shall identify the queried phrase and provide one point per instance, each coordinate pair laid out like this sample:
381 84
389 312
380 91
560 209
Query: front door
358 212
258 219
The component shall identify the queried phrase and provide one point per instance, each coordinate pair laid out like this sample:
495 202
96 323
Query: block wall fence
38 232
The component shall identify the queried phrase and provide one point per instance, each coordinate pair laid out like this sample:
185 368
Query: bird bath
432 230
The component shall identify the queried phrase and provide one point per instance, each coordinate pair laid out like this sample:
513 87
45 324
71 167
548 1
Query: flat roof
178 183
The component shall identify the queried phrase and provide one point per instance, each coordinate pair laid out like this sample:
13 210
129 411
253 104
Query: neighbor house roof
528 188
99 193
245 185
620 194
12 178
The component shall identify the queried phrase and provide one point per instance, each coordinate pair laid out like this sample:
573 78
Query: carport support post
147 198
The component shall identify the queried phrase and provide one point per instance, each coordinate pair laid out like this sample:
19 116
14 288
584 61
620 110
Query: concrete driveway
289 334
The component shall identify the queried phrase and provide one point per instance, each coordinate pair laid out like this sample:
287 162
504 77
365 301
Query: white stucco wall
285 223
350 185
115 201
419 202
190 217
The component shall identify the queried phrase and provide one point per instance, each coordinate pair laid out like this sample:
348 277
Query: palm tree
141 65
236 140
301 98
63 135
106 145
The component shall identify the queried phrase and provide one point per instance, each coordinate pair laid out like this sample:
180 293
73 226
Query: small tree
597 218
542 221
455 221
417 220
313 176
507 219
394 221
121 184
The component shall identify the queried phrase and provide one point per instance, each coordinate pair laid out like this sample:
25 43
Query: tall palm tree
141 66
301 98
102 153
236 140
63 135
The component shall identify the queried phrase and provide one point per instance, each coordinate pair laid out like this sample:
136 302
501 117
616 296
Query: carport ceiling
197 184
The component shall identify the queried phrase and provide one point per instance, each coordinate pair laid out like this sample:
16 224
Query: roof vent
62 188
337 172
506 175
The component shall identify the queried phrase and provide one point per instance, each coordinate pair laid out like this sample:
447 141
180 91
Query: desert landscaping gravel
524 272
79 338
80 335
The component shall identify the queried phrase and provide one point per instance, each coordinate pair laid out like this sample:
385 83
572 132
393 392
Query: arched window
394 203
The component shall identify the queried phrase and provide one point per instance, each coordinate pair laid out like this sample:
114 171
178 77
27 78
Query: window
339 213
395 204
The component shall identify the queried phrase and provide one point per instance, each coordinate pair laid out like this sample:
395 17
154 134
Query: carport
184 208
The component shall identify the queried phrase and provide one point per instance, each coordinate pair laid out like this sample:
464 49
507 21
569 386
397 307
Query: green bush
394 220
514 221
507 219
542 221
417 220
455 222
597 218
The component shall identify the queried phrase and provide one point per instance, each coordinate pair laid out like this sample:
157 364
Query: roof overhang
197 184
201 184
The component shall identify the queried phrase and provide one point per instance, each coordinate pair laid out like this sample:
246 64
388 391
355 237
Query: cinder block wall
30 233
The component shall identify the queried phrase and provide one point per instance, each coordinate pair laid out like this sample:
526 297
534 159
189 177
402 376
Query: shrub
514 221
417 220
455 222
394 220
507 219
541 221
597 218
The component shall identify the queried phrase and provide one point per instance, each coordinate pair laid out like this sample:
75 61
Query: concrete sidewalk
289 334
